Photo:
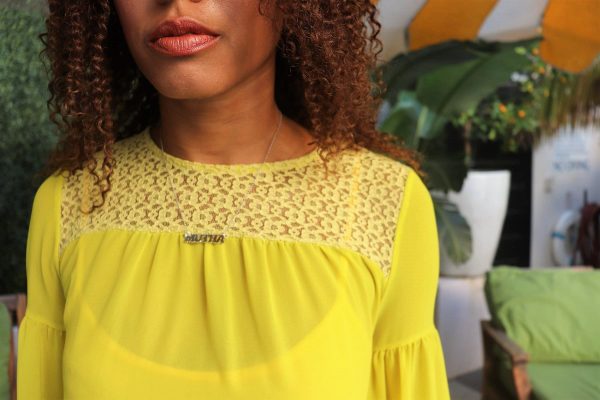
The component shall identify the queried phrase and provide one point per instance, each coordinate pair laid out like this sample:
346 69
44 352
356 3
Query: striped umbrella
570 28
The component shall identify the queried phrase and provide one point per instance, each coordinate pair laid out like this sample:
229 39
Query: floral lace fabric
354 206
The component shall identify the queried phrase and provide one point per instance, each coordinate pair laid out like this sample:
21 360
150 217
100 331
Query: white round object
564 237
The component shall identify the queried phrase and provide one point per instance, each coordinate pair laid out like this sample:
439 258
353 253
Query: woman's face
196 65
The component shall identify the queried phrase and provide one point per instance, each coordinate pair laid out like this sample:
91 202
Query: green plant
427 90
27 134
515 113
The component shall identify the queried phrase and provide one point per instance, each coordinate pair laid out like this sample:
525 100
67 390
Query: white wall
562 169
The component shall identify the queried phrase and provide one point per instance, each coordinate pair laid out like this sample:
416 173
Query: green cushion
564 381
5 327
552 313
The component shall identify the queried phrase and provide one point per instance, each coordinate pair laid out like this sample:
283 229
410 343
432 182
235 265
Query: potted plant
458 87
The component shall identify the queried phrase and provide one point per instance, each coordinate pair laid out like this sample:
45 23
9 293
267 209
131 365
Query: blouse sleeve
408 362
41 333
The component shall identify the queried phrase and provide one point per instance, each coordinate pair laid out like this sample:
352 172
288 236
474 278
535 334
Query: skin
216 106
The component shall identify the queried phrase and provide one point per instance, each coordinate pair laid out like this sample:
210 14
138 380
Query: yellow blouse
323 289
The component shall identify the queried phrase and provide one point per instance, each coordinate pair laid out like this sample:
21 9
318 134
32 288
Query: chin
181 88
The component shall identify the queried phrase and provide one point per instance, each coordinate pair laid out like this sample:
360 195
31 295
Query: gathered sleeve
408 362
41 333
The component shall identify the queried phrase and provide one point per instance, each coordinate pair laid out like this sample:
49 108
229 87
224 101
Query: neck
233 128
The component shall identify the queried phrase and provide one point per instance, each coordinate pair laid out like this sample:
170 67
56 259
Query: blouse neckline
290 163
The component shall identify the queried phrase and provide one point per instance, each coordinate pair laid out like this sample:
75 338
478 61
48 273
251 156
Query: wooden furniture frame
492 387
496 338
16 304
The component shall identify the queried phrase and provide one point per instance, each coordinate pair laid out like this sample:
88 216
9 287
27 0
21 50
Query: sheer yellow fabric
326 297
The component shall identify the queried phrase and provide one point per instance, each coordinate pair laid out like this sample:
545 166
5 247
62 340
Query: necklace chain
190 237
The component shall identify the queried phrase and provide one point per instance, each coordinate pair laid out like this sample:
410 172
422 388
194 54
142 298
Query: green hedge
27 135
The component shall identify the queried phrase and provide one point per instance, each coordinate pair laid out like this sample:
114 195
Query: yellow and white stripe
570 28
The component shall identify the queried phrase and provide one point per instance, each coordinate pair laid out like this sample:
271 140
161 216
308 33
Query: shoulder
380 160
80 189
400 206
124 152
50 188
383 177
127 154
47 198
393 175
376 192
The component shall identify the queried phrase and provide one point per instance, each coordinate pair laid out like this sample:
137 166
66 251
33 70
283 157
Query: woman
221 221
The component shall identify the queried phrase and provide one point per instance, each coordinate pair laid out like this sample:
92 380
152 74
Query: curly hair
326 80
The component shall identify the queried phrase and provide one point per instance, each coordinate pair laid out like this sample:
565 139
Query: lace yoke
356 206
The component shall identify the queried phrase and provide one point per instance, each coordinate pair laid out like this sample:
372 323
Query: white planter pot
483 201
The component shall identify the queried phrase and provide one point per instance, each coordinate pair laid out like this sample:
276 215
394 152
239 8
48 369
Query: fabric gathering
323 289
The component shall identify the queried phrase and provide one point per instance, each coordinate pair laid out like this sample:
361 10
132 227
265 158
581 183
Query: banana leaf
453 230
412 121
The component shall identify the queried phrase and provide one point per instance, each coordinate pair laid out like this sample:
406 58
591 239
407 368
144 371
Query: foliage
436 88
514 114
454 231
27 134
573 100
437 94
403 71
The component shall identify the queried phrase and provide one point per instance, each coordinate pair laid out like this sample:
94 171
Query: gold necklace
190 237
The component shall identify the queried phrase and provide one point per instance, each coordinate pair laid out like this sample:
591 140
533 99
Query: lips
180 26
181 36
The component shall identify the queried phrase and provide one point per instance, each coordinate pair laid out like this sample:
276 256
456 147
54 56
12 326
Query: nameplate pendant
193 238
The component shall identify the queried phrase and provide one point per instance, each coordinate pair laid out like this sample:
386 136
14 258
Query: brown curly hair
326 80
